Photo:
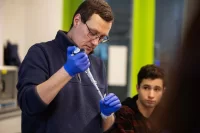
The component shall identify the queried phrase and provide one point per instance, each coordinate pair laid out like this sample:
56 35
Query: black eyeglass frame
94 36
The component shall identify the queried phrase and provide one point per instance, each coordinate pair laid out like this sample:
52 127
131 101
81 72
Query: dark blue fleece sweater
76 107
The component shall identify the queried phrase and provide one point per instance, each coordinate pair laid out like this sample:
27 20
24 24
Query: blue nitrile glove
109 104
76 63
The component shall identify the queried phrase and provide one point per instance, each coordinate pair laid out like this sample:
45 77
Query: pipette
89 74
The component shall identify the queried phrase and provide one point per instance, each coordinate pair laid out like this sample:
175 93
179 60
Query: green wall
142 38
69 8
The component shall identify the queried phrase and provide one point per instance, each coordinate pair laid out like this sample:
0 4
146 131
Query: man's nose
151 94
95 42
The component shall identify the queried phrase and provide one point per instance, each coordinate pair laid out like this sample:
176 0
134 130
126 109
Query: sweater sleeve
123 121
33 71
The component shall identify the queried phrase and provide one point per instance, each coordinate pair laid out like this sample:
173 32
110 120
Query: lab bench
8 92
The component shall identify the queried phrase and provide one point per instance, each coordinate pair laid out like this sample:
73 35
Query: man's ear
77 20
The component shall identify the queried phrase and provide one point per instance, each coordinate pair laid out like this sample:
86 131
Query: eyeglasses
93 36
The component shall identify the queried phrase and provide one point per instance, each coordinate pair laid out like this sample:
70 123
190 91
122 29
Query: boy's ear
164 89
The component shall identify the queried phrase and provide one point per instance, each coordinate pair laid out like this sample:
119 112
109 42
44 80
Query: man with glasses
54 93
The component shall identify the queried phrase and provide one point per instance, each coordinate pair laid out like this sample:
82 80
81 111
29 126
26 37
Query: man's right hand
77 63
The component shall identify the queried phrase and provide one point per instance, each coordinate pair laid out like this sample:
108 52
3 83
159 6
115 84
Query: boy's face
150 92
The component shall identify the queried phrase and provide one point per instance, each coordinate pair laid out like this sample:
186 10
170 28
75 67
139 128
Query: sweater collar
131 102
63 41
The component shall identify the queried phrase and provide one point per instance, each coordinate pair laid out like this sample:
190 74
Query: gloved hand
77 63
110 104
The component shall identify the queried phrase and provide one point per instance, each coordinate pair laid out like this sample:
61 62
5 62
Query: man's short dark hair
90 7
150 72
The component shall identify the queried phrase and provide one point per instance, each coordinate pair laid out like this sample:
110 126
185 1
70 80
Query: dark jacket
129 119
75 109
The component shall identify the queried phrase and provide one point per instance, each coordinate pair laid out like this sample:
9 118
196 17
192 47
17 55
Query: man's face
87 35
150 92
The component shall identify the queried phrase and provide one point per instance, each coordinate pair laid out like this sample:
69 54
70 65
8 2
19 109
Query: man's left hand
110 104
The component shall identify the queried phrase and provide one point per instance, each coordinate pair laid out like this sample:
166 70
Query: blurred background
144 32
